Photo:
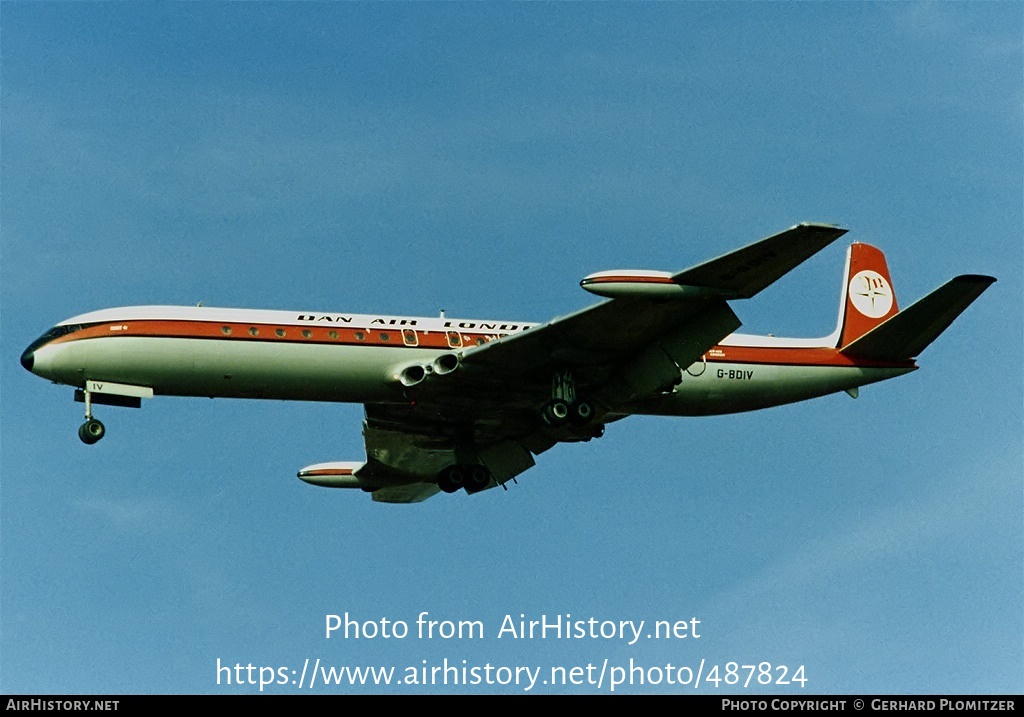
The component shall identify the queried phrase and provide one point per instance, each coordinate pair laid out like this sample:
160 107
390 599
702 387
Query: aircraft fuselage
238 353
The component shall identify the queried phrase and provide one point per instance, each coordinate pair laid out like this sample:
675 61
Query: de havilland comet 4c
456 404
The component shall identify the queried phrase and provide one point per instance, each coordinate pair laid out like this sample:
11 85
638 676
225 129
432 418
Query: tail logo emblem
870 294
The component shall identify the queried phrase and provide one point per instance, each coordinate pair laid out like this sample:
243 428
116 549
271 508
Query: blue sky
405 158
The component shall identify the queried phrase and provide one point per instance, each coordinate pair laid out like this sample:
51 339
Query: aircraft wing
635 345
742 273
614 351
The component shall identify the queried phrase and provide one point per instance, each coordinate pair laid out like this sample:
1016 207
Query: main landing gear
558 412
571 418
473 478
565 407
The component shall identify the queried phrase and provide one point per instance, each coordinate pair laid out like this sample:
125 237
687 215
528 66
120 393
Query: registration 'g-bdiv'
466 404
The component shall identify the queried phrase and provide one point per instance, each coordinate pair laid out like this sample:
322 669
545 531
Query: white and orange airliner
466 404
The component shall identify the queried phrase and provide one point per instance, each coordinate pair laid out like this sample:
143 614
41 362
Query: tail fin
868 298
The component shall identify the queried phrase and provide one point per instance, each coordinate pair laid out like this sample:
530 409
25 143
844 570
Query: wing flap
660 365
411 493
408 446
403 456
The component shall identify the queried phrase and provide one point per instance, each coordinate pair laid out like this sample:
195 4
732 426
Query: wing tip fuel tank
338 474
640 283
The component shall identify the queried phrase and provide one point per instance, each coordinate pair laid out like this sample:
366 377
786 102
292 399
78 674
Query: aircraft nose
28 358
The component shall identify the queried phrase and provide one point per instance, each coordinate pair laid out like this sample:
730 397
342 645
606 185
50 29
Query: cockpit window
63 330
55 333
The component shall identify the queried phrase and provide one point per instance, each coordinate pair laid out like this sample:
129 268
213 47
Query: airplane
458 404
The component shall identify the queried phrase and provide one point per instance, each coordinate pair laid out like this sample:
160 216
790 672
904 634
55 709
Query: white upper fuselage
293 318
206 351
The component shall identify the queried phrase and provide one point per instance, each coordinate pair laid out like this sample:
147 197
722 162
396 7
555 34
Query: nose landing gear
92 430
108 394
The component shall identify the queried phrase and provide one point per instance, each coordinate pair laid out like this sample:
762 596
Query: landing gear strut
92 430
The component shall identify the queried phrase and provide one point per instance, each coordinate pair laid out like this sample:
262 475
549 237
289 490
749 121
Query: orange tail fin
868 296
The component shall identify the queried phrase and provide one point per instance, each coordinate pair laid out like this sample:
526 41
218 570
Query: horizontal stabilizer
905 335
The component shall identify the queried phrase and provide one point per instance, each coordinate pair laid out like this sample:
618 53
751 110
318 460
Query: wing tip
979 279
824 227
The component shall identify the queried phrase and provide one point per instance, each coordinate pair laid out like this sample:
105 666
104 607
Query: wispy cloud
959 508
127 514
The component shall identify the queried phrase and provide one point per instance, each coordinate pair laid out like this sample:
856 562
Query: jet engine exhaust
445 363
412 375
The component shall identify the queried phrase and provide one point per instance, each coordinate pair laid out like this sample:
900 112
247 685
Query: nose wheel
91 431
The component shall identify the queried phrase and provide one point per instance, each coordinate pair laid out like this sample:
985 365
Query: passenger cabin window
409 337
454 339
